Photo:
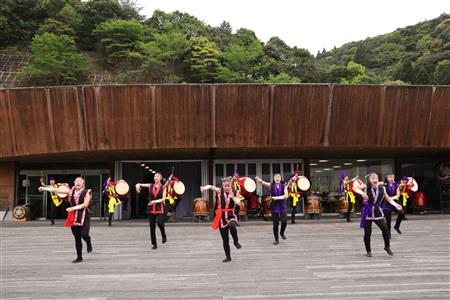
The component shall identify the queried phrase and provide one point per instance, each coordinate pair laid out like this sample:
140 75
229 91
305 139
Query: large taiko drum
420 200
247 185
178 187
412 186
21 213
63 187
303 183
200 207
356 183
253 203
313 205
266 206
243 208
121 187
343 205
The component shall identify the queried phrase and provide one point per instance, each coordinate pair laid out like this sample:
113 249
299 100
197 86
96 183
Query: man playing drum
225 216
279 194
345 187
113 199
157 198
373 196
55 202
79 199
391 189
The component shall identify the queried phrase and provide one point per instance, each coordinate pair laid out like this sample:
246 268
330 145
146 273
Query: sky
312 24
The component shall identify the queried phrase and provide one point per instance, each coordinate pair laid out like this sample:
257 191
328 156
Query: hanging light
147 167
142 165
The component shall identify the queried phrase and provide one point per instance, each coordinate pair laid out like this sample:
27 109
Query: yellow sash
405 198
112 204
56 200
295 198
351 195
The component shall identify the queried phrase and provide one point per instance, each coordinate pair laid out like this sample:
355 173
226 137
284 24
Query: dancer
113 199
372 212
79 199
157 198
404 196
391 189
294 195
279 194
56 201
344 186
225 217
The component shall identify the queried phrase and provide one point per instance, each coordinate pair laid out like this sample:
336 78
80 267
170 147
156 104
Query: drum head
415 186
179 188
249 185
19 212
122 188
357 183
303 183
63 187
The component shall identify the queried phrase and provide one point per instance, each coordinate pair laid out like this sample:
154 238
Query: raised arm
210 187
141 185
264 183
59 190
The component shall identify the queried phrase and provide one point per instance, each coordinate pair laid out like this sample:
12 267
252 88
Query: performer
372 212
404 196
344 186
391 189
79 199
157 198
56 202
225 216
279 193
294 195
113 199
172 199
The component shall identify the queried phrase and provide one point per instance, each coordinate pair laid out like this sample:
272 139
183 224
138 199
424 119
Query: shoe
228 259
276 242
77 260
109 224
398 230
237 245
164 240
53 223
293 222
154 247
349 221
388 250
283 236
369 254
89 248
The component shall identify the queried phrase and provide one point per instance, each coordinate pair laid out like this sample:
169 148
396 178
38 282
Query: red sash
70 219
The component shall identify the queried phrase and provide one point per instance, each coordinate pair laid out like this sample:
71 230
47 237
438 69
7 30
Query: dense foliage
68 39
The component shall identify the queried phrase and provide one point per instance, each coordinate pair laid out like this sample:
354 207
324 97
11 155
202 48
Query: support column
7 189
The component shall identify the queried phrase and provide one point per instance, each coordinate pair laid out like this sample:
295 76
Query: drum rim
122 183
178 183
253 184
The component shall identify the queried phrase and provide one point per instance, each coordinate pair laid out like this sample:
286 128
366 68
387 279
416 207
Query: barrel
21 213
200 207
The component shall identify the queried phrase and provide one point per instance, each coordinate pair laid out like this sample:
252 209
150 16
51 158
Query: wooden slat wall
134 117
7 186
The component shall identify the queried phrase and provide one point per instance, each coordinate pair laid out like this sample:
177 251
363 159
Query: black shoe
369 254
349 221
109 224
276 242
237 245
89 248
293 222
283 236
164 239
154 247
53 223
228 259
388 250
77 260
398 230
405 219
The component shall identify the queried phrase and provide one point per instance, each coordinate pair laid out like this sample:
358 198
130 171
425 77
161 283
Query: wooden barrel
266 206
243 208
343 205
200 207
21 213
313 205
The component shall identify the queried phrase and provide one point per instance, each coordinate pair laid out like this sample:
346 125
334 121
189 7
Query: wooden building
208 131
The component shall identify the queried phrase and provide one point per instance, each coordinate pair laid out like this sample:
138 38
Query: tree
54 26
221 35
442 72
282 78
202 60
421 75
54 60
162 22
119 40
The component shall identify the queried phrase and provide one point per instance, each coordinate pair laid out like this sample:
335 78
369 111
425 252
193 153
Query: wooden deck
321 259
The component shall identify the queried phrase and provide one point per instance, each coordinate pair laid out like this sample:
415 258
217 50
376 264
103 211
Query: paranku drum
122 188
200 207
247 185
303 183
412 186
178 187
356 183
63 187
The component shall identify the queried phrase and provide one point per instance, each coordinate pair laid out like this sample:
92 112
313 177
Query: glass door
34 198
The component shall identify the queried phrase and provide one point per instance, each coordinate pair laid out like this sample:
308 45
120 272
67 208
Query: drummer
157 198
56 201
344 186
279 194
79 199
113 199
294 195
391 189
373 196
404 196
225 216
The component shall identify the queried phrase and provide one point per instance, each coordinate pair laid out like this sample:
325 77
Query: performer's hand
138 187
202 189
69 209
258 179
398 206
41 189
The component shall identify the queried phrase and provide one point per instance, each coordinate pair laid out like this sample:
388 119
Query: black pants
153 220
166 209
110 217
349 209
276 218
388 216
368 232
82 232
225 238
52 212
294 208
